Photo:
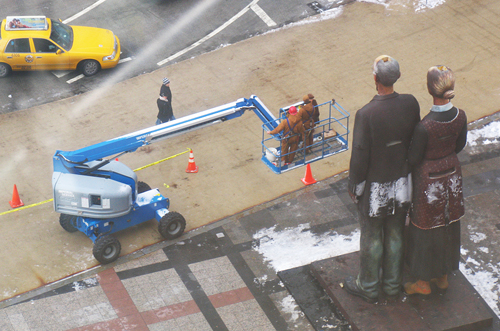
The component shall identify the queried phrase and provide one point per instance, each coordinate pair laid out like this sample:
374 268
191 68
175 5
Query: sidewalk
278 67
224 276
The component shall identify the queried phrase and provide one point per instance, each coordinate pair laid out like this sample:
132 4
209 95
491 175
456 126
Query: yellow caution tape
50 200
163 160
25 207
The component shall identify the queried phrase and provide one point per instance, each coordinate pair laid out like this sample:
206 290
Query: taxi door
49 56
18 54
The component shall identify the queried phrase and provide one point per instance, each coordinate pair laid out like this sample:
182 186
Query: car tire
90 67
5 70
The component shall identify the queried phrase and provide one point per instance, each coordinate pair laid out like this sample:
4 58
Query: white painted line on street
125 60
213 33
60 74
263 15
86 10
72 80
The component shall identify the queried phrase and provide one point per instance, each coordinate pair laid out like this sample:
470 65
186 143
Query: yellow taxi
41 43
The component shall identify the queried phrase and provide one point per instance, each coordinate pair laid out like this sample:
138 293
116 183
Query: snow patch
289 306
260 280
486 283
418 5
477 237
484 249
382 194
455 183
77 286
470 261
294 247
433 192
488 134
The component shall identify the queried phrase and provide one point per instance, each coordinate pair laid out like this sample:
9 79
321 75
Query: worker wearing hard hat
291 129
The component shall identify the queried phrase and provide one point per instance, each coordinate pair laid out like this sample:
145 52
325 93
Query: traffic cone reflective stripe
191 165
16 201
308 179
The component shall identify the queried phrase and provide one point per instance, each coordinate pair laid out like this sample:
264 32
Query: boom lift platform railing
330 137
99 196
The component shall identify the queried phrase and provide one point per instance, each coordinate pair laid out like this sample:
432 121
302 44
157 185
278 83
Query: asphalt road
153 34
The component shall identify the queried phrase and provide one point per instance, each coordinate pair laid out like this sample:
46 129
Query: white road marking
86 10
263 15
213 33
72 80
125 60
60 74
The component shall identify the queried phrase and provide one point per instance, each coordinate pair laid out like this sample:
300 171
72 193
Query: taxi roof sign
13 23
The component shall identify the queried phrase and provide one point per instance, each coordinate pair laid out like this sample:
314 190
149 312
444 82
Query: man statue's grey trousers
381 254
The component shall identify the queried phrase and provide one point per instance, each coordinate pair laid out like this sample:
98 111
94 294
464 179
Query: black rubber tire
106 249
68 222
90 67
172 225
5 70
142 187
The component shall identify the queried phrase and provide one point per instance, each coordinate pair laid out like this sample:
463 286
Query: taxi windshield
62 34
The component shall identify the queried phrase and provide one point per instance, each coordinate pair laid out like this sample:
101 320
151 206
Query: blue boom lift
100 196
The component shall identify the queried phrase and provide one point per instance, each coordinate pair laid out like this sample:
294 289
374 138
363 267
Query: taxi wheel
90 67
4 70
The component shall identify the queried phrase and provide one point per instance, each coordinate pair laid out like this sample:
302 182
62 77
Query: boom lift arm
131 142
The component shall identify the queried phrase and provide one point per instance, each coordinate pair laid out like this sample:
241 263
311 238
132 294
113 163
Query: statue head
386 70
441 82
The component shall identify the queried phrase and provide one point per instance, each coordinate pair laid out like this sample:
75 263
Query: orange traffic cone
16 201
191 165
308 179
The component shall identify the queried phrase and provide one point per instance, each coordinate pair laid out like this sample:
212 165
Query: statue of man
380 182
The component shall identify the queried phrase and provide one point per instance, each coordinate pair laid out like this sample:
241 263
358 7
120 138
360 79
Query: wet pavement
217 277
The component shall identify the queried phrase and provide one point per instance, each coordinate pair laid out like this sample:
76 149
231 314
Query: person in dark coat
380 182
315 106
310 115
164 102
438 204
291 130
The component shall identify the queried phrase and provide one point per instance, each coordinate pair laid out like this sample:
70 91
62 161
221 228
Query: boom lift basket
330 137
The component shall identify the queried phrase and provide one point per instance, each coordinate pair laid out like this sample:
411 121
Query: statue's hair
386 69
441 82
